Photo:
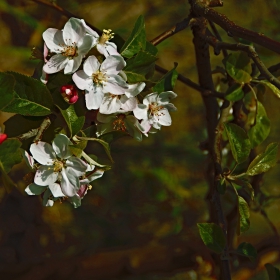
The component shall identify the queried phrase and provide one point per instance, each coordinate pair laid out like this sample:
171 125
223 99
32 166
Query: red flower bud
69 93
3 137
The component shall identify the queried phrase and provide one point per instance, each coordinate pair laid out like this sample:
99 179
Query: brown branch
173 30
192 84
250 50
200 9
212 109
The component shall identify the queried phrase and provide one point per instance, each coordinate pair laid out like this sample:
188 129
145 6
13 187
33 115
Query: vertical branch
214 129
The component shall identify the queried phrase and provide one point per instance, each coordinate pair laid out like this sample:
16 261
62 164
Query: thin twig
44 125
200 9
250 50
273 227
68 14
170 32
192 84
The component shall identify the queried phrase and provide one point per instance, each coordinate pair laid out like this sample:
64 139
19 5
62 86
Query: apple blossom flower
102 42
126 102
70 45
154 111
58 165
97 79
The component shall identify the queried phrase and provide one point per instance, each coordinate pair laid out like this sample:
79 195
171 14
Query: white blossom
97 79
154 111
58 165
70 45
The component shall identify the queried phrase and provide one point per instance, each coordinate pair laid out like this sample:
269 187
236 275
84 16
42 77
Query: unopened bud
69 93
3 137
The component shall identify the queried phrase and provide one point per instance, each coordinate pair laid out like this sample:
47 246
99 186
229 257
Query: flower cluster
103 80
58 173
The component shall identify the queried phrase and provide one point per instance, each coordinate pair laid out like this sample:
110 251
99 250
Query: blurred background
139 220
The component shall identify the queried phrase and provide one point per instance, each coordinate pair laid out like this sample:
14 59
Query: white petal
69 184
141 112
60 146
94 97
150 98
76 166
110 104
165 97
111 48
73 31
34 189
113 64
43 153
81 79
95 175
115 85
86 44
73 64
53 39
91 65
128 104
56 190
164 117
101 48
145 124
89 30
45 176
28 159
134 89
55 64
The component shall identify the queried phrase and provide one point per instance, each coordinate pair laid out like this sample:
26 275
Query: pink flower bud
3 137
82 190
69 93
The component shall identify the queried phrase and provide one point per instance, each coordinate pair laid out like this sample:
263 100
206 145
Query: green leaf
10 153
150 48
102 142
24 95
235 92
136 41
263 162
259 132
239 142
93 162
139 66
212 236
238 67
244 214
274 89
74 121
113 136
167 82
273 272
7 84
248 250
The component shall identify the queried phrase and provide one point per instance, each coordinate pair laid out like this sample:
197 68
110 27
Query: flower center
155 109
58 165
99 77
70 51
119 124
106 36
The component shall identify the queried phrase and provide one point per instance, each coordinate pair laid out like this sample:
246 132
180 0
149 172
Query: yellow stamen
106 36
99 77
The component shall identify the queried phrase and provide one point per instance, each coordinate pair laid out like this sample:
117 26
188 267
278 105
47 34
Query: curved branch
173 30
250 50
202 10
